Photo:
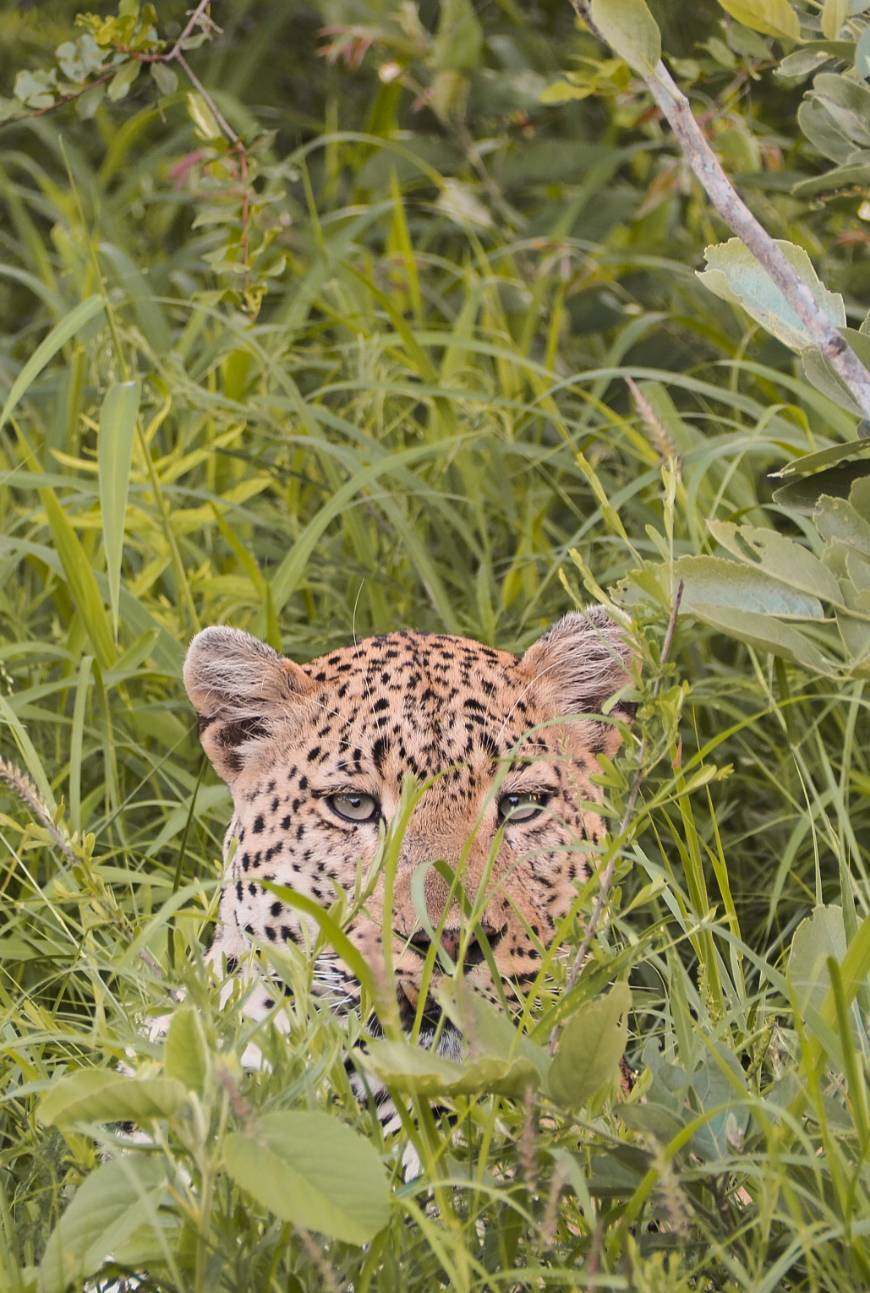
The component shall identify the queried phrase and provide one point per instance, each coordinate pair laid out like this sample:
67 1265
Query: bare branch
676 110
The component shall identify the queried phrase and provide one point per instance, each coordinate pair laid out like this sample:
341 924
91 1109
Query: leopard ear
578 665
241 689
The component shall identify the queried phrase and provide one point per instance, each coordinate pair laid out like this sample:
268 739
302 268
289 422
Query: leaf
47 349
80 578
202 116
838 519
840 177
770 17
106 1209
424 1073
459 38
823 131
630 29
590 1048
313 1171
781 558
862 55
830 471
115 444
87 103
119 86
848 103
33 88
833 16
765 633
166 79
714 581
461 204
816 938
97 1095
488 1030
186 1058
734 275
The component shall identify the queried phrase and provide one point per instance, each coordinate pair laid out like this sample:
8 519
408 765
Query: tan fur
481 722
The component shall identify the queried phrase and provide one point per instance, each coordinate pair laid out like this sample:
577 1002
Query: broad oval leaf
423 1073
713 581
770 17
105 1210
313 1171
784 559
590 1048
734 275
94 1095
819 936
186 1057
765 633
630 30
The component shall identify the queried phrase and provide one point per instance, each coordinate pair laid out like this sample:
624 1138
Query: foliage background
385 381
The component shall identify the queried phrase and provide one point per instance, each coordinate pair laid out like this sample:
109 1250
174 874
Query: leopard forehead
424 702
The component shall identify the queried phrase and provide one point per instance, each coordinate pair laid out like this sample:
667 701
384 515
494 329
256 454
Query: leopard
508 816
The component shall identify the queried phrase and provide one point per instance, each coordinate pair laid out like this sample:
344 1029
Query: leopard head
505 751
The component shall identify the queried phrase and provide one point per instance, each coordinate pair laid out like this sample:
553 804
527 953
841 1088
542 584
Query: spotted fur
473 724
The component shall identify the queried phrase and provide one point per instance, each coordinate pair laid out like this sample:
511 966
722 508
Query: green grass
425 426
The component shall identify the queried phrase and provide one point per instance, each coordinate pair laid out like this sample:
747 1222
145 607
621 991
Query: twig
675 108
60 101
606 881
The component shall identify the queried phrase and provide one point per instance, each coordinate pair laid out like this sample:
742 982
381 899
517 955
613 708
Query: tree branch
676 110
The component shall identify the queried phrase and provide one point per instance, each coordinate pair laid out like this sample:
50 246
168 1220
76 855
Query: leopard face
504 749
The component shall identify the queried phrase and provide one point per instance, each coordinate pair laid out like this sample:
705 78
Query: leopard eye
520 808
354 807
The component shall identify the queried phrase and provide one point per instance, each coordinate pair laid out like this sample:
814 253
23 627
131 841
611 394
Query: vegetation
326 320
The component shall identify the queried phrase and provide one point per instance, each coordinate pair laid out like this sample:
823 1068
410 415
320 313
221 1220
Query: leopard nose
451 941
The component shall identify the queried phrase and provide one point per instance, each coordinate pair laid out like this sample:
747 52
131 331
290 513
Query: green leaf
848 103
862 55
830 471
106 1209
833 16
186 1057
47 349
202 116
770 17
313 1171
80 578
488 1029
841 177
459 38
115 445
165 78
119 86
781 558
630 29
590 1048
823 131
714 581
421 1072
765 633
96 1095
33 89
734 275
838 519
87 103
816 938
